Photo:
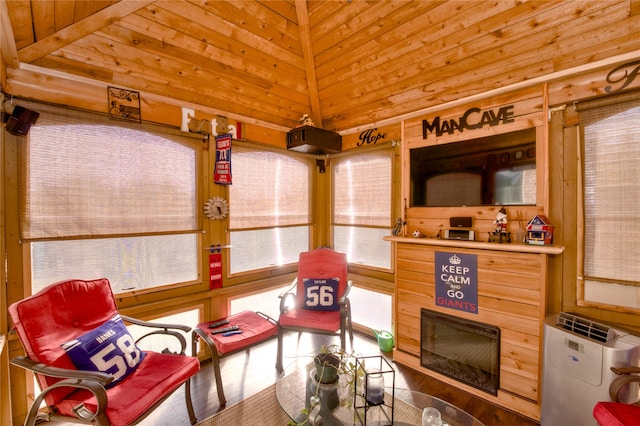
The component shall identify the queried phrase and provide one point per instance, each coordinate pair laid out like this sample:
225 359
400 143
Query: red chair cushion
255 328
41 339
321 320
616 414
156 375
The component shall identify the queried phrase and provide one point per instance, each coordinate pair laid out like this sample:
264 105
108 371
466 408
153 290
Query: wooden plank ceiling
346 63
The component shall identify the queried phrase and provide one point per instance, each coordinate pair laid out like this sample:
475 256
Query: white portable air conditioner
578 356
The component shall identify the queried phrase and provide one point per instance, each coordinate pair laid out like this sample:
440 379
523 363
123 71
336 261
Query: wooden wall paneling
23 27
5 389
372 136
519 64
570 237
8 49
591 84
562 163
374 62
474 33
528 113
564 284
511 295
608 34
47 41
14 288
174 15
21 384
80 94
526 104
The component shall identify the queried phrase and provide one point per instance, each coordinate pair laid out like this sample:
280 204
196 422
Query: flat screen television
494 170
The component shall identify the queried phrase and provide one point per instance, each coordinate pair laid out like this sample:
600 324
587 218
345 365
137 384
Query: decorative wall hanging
216 208
625 73
124 104
222 172
215 270
457 281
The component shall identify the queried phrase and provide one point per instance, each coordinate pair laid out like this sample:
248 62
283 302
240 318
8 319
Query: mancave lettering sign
457 281
473 118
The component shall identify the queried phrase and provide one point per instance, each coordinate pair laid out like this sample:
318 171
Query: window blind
362 189
86 175
611 134
270 189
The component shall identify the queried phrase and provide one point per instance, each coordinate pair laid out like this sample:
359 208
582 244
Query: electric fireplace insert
465 350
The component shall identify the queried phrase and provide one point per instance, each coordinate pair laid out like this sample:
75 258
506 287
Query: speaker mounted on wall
20 120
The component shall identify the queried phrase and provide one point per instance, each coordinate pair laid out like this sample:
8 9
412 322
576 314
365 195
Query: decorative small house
540 231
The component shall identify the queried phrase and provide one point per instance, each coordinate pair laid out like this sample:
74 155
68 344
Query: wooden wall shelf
480 245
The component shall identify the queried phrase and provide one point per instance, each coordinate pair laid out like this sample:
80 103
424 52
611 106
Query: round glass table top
307 402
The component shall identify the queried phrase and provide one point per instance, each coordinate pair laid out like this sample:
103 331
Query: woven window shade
85 175
611 134
269 189
362 189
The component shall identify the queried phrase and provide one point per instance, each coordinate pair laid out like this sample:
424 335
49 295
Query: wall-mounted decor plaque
124 104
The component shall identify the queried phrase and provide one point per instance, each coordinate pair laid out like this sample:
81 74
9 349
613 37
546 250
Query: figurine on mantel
305 121
500 234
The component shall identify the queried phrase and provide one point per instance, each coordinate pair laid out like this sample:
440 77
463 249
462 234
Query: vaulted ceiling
346 63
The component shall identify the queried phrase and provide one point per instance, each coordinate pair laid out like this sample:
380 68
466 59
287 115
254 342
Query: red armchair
624 407
319 296
86 362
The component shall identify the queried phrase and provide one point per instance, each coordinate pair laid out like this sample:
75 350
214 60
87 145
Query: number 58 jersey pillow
109 348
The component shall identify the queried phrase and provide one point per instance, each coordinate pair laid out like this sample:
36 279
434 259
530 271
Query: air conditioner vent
585 327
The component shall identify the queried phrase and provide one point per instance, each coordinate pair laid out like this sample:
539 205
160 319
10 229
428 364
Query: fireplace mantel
480 245
512 289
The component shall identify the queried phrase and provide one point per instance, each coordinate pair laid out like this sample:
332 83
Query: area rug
259 409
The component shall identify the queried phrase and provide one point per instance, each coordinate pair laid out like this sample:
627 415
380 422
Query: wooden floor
249 372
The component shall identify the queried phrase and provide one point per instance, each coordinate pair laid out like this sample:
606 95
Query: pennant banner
222 172
215 270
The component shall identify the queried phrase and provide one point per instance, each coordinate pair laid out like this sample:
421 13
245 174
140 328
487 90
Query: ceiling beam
80 29
8 47
302 14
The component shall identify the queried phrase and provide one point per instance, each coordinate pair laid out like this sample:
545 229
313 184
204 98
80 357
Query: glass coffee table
333 404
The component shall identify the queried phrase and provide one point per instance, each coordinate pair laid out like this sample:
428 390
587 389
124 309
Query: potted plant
329 385
327 365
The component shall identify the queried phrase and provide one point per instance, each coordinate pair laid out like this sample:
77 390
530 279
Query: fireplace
462 349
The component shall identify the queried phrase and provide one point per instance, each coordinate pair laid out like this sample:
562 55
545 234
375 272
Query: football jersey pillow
109 348
321 294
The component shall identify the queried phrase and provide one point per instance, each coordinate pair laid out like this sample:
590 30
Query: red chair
609 413
624 407
317 300
87 364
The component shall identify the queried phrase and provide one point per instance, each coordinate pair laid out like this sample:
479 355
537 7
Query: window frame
587 287
237 277
190 141
391 148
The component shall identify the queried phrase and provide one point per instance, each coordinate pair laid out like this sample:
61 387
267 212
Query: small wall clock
216 208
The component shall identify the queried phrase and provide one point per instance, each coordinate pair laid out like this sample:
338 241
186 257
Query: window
104 198
611 135
269 215
362 207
